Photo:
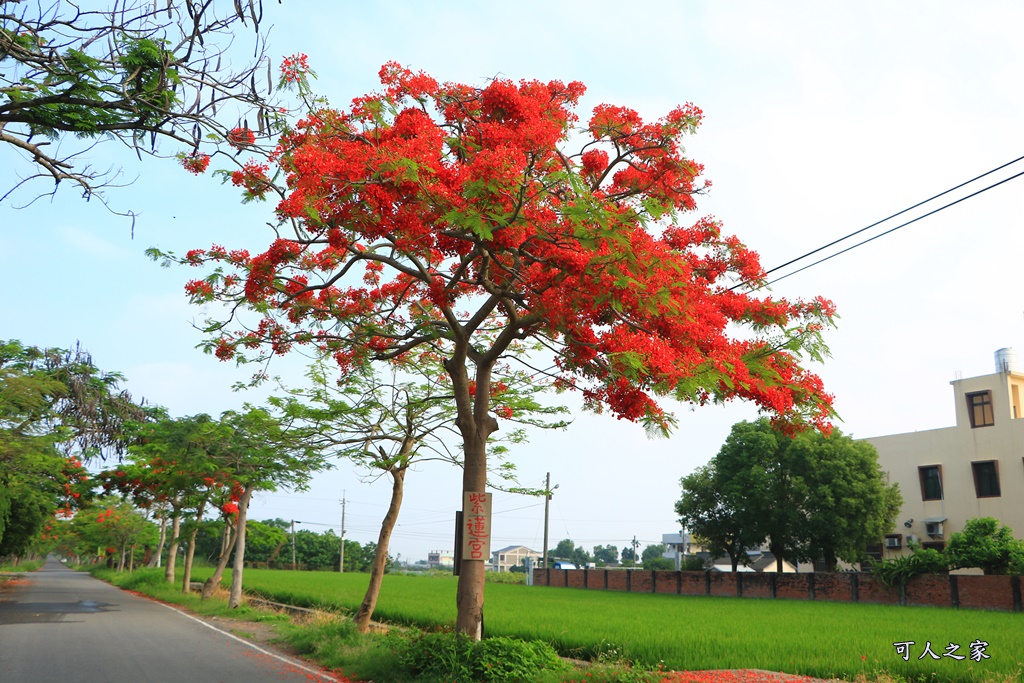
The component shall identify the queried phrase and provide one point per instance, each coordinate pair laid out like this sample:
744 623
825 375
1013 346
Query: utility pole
341 560
547 504
293 546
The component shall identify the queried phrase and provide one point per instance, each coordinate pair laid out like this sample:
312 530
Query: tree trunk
120 560
172 551
470 595
380 557
186 581
131 560
155 560
222 561
235 598
777 550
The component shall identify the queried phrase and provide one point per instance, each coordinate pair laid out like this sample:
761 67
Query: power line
901 225
888 218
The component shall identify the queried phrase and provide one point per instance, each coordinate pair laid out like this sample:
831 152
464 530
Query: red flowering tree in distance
473 226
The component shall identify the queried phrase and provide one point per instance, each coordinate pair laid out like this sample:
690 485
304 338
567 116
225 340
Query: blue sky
821 117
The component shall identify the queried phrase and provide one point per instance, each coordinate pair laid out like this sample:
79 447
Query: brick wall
832 587
985 592
666 582
934 591
793 586
617 581
966 591
870 589
757 585
723 584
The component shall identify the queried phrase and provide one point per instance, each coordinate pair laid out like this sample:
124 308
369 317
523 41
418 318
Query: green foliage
653 551
453 656
23 566
569 551
692 563
55 405
812 497
512 576
333 643
127 73
899 570
987 544
658 564
606 554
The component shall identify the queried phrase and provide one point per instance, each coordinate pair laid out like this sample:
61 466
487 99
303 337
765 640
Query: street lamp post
547 504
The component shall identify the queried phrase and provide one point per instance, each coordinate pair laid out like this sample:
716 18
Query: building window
979 406
986 478
931 482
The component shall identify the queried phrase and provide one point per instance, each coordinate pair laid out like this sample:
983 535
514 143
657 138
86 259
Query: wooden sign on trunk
476 526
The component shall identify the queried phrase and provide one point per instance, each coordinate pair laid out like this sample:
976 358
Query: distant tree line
609 555
269 544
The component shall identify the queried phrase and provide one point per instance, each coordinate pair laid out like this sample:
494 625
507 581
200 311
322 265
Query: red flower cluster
253 177
241 137
196 162
294 68
457 204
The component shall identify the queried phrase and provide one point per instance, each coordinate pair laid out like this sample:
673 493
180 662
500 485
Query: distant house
440 560
953 474
678 546
758 560
512 556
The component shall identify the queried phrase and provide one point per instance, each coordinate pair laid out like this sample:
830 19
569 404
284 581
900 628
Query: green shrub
505 577
455 657
505 660
899 570
438 655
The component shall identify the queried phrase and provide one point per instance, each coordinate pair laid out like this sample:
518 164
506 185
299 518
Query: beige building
512 556
953 474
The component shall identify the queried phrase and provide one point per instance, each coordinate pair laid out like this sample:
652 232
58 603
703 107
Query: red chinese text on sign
476 536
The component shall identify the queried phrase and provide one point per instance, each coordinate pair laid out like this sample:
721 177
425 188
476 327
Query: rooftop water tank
1006 360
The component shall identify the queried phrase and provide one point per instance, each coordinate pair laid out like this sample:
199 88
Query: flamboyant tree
462 219
172 464
262 452
195 464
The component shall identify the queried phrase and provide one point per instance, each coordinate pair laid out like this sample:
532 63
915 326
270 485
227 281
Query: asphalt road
67 626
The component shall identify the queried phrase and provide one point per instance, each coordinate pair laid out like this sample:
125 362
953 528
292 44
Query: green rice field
820 639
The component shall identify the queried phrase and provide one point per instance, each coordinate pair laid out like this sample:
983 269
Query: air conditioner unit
893 542
912 538
933 529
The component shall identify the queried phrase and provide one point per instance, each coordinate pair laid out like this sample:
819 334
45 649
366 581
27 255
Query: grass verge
23 566
821 639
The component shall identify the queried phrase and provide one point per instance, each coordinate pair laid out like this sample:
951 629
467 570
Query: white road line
243 641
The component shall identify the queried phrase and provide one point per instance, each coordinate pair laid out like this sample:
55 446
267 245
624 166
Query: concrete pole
294 566
547 503
341 560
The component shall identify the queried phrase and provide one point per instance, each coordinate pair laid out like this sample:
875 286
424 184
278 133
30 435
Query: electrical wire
888 218
902 225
